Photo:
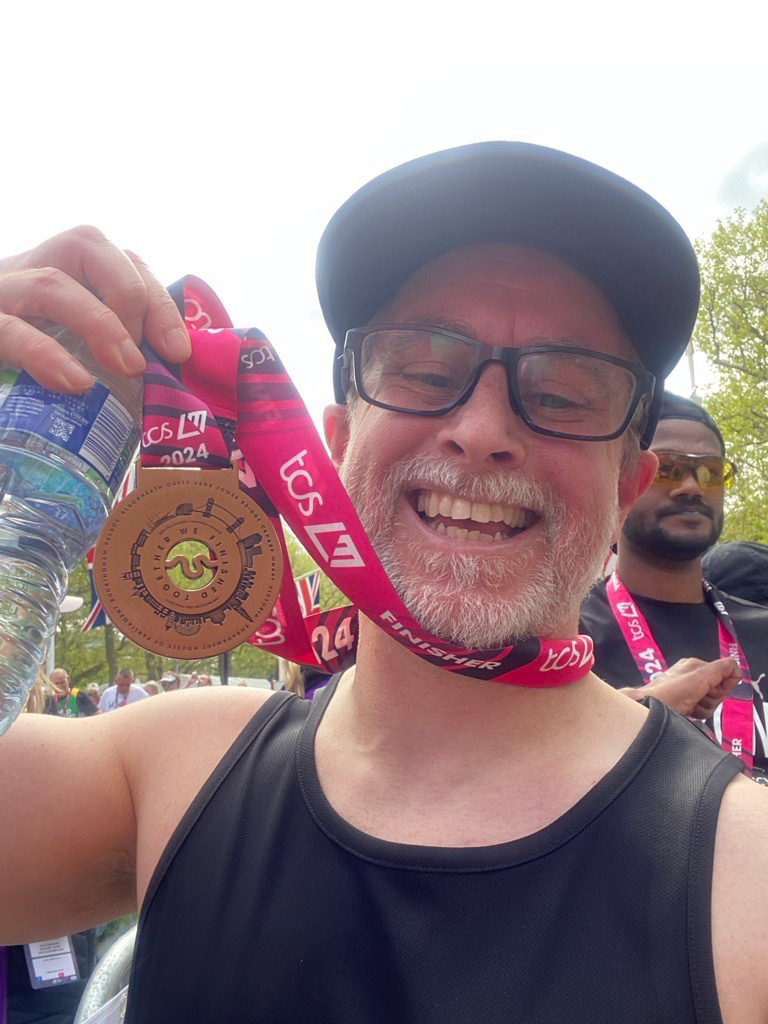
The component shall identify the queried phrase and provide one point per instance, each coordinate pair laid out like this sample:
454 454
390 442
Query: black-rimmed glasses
559 390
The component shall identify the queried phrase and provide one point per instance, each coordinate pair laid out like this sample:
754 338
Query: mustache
501 488
685 505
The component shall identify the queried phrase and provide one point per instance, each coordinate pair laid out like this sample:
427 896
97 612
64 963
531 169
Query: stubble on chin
479 601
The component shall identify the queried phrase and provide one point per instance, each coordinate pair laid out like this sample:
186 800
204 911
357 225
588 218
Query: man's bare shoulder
211 717
168 746
740 902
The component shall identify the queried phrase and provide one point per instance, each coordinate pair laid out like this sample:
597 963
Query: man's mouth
688 510
464 519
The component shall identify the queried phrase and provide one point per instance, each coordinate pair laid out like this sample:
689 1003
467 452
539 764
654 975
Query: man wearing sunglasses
653 621
468 825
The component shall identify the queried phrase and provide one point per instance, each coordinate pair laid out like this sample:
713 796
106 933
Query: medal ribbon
233 400
738 727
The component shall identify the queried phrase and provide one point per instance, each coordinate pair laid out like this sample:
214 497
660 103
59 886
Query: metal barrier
109 977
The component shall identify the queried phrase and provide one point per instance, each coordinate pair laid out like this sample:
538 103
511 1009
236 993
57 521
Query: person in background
59 702
170 681
656 625
152 687
204 680
305 680
122 692
739 568
87 701
39 694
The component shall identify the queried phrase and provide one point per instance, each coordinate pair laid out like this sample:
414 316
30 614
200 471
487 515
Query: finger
728 669
85 254
26 348
164 326
50 293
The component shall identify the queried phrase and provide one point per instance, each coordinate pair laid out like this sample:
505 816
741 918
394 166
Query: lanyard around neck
234 401
738 717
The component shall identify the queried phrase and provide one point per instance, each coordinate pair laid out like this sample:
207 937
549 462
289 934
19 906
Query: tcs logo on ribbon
337 548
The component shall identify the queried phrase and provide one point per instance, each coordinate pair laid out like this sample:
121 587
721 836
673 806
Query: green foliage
330 595
732 331
97 655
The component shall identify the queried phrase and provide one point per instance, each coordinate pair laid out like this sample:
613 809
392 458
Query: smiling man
657 590
479 833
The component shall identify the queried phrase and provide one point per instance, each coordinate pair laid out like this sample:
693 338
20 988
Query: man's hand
691 686
81 280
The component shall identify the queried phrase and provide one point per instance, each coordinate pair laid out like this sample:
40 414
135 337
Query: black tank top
266 907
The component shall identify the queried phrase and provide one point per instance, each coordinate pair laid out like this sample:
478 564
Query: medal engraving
188 565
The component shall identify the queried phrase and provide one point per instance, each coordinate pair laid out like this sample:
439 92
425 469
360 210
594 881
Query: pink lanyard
234 400
738 717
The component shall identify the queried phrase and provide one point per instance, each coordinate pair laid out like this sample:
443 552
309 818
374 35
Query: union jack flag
308 591
97 615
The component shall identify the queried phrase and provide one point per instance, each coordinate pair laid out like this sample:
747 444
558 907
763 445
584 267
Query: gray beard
465 598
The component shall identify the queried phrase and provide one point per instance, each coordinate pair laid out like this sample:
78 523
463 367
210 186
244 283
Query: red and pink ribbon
233 400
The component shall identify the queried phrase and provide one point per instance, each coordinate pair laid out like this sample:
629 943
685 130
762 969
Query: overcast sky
218 138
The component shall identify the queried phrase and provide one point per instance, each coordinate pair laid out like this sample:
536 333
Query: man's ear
635 482
336 429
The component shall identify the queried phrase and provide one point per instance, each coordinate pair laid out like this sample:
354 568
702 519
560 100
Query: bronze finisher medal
188 565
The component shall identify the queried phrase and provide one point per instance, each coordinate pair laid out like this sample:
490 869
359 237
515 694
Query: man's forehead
685 436
459 287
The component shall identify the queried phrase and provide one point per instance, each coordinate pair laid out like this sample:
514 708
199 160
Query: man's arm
66 813
740 903
100 798
691 686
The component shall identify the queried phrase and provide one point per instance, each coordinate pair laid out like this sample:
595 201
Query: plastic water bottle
62 458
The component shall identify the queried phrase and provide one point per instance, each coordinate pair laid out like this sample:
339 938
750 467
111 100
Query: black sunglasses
557 390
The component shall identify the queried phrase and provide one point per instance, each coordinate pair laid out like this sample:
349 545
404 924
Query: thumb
728 672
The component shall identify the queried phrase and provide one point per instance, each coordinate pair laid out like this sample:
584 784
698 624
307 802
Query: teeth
457 532
445 507
481 513
461 509
433 504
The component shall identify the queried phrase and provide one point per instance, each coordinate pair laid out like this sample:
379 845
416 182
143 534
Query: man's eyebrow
446 323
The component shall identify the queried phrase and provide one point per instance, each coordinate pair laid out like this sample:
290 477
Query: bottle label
94 426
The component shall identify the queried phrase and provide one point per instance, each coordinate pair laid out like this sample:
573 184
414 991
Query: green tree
732 331
301 563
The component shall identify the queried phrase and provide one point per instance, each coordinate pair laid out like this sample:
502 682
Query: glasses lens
575 394
708 470
415 370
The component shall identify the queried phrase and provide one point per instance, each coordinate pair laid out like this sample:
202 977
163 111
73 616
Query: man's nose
689 485
485 430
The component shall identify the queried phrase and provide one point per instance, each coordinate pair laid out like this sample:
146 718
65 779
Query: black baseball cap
675 407
603 225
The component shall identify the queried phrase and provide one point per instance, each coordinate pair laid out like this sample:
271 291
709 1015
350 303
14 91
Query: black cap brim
603 225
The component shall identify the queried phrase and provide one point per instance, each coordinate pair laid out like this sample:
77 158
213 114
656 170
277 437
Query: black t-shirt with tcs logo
683 631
